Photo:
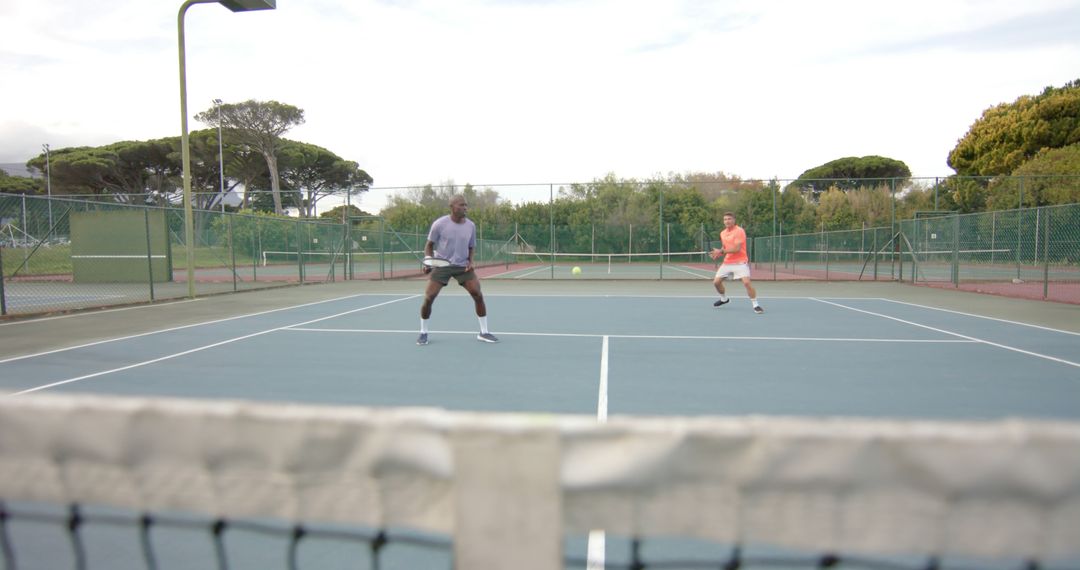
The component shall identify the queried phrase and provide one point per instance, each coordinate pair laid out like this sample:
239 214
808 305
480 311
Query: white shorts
733 271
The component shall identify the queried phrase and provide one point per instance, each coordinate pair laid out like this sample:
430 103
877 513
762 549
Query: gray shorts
443 274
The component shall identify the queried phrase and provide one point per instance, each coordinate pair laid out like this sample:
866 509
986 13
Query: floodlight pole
221 155
48 182
185 150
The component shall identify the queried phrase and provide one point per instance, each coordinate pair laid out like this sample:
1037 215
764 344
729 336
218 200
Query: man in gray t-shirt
453 237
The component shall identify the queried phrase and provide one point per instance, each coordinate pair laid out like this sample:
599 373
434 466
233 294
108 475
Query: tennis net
258 485
657 265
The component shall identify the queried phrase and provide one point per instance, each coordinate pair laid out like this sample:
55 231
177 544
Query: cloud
1056 26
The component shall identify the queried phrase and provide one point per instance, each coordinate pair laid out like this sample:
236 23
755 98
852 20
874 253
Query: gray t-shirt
453 240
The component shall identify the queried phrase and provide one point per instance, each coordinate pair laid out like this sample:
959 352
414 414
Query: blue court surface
644 354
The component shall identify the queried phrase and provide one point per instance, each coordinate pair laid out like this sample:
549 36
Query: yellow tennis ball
576 271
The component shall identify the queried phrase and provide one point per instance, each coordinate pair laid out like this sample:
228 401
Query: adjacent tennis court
592 348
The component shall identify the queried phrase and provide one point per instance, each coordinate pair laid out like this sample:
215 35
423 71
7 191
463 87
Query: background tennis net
510 490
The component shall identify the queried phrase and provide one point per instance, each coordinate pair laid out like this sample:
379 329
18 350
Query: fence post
347 247
255 253
551 222
661 235
3 296
826 257
1046 256
299 251
1019 228
149 252
956 251
232 248
382 247
875 254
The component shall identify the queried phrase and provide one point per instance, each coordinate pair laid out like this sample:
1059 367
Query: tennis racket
434 262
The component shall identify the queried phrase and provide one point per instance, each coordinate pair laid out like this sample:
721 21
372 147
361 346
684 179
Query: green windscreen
120 247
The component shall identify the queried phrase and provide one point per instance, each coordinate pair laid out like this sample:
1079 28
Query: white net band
508 486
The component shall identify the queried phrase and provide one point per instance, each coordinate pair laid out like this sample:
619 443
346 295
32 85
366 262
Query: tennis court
589 348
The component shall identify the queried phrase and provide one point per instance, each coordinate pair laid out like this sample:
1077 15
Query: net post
377 544
217 533
6 548
636 563
146 522
297 534
74 523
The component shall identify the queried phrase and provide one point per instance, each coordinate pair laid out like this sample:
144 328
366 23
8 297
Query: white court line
983 317
971 338
545 268
200 348
596 552
299 328
13 358
695 273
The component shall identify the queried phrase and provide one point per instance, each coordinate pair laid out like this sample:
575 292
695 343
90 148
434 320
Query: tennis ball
576 271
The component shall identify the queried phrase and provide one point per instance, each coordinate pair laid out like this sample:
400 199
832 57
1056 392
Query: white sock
723 297
423 326
754 301
483 325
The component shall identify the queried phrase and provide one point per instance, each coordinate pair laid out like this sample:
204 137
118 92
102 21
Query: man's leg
432 291
753 295
473 287
718 282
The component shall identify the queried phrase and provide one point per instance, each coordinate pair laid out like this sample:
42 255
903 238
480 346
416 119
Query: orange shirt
729 238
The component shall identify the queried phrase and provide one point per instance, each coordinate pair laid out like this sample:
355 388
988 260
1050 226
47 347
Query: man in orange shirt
736 264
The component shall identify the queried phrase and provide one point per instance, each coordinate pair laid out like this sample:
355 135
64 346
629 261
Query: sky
492 92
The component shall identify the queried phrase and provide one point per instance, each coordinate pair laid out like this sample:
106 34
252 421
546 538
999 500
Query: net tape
508 486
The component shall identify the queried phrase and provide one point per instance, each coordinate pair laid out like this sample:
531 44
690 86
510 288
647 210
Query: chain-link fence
1030 253
61 254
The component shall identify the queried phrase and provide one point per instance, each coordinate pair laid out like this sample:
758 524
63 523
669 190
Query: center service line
597 541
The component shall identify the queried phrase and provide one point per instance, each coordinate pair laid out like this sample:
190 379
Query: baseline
956 334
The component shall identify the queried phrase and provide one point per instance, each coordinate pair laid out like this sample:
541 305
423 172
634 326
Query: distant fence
1031 252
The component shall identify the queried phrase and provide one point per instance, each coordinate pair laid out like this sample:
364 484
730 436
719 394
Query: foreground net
80 476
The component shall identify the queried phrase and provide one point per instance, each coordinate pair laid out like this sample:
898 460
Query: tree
259 125
1051 178
19 184
851 172
835 212
343 212
317 173
1009 134
127 169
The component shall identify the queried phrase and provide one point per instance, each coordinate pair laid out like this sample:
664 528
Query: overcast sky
534 91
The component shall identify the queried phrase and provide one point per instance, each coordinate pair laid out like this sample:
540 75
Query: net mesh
522 491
